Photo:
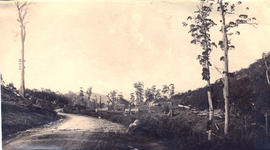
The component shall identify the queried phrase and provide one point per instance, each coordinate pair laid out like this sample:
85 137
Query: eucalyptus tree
22 8
226 9
199 28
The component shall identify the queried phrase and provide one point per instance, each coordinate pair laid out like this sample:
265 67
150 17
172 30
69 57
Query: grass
185 130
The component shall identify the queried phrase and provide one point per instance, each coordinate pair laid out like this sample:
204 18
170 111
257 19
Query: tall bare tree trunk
22 88
226 70
22 12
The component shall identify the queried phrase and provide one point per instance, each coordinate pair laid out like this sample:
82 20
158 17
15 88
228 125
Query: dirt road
73 132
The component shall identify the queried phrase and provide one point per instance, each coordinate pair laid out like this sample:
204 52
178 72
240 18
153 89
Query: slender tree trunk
211 110
226 70
22 11
22 88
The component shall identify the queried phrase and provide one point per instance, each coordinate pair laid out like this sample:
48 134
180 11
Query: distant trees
145 99
95 102
46 98
22 13
116 101
139 92
168 91
81 95
89 94
112 99
131 101
152 94
100 102
200 32
87 99
72 98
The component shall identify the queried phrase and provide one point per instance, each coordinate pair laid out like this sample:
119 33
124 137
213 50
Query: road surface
72 133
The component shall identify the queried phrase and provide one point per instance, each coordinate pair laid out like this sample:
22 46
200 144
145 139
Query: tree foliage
112 98
231 26
199 28
139 92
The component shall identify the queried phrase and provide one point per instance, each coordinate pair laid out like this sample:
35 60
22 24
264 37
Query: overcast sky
112 44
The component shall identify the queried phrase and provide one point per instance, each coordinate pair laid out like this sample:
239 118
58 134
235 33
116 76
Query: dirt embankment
18 114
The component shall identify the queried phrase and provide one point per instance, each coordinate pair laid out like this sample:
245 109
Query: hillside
19 114
248 88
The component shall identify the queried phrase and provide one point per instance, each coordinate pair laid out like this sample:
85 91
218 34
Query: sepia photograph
135 74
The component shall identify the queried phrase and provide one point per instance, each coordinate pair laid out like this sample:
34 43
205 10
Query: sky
111 44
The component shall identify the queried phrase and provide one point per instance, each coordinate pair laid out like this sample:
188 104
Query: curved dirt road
75 132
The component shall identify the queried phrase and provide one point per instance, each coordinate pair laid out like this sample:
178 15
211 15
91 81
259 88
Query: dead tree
22 12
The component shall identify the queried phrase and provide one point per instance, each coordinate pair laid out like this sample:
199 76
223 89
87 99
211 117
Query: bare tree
22 12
